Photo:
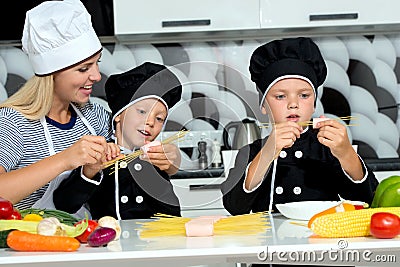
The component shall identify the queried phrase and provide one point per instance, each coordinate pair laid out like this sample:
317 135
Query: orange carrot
338 208
24 241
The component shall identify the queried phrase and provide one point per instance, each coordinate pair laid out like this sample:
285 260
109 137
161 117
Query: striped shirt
23 141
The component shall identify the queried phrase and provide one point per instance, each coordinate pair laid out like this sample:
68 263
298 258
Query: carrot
24 241
338 208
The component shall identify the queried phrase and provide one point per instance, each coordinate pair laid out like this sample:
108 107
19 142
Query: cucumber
3 238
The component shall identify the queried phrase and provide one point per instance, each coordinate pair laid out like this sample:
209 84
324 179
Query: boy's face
290 99
141 122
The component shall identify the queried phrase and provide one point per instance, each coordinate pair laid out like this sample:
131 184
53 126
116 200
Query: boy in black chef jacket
294 163
139 100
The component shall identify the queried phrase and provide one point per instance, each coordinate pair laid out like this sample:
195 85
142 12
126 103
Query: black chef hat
148 80
292 57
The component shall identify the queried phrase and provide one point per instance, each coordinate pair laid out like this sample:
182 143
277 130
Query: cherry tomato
92 224
15 215
6 208
385 225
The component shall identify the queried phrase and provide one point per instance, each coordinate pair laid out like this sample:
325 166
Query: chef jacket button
298 154
283 154
279 190
124 199
297 190
139 199
125 234
138 167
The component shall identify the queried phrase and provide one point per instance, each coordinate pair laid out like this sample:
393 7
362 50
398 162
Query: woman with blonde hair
49 127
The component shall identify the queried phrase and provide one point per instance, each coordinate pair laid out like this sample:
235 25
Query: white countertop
284 241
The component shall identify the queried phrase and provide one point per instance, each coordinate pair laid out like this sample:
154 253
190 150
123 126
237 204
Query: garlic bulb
50 226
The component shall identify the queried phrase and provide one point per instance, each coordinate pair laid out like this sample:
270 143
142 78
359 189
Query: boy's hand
166 157
285 134
333 134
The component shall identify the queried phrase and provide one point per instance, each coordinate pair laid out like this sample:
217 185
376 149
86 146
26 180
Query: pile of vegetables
382 220
52 230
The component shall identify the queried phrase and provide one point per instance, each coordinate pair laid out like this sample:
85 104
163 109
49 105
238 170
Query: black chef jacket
305 171
143 190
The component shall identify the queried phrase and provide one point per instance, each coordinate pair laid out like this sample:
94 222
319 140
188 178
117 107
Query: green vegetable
31 226
74 231
387 193
3 238
27 226
62 216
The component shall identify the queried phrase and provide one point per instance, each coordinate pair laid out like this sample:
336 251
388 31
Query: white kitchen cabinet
160 16
199 196
313 13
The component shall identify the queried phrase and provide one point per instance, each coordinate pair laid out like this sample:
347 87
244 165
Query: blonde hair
34 98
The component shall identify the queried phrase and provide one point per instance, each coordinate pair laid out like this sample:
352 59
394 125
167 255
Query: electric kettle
240 133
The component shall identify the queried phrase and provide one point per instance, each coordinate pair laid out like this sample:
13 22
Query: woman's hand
166 157
112 152
89 151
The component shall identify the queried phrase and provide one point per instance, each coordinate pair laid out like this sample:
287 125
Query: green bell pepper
387 193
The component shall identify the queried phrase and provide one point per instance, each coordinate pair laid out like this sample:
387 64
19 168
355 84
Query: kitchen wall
363 81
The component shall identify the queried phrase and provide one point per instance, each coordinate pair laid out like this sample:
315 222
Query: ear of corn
349 223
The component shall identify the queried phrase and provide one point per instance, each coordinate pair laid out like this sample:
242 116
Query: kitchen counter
285 240
207 173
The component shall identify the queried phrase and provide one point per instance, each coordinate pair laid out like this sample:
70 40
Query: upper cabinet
317 13
189 20
173 16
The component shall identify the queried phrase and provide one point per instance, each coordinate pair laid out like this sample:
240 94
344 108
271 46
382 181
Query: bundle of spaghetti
123 162
165 225
246 224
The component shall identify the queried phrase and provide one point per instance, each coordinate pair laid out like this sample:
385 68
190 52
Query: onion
101 236
108 221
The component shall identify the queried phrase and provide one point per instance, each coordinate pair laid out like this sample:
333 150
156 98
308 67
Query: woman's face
74 84
290 99
141 122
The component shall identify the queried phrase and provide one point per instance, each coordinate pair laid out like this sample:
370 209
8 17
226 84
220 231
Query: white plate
304 210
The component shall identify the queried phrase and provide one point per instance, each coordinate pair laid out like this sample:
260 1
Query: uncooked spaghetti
166 225
310 123
123 162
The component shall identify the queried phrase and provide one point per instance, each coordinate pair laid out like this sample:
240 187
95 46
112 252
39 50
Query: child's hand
113 151
166 157
285 134
333 134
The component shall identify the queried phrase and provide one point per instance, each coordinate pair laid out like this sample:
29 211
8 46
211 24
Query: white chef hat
57 35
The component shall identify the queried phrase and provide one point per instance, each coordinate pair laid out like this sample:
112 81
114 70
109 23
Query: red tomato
385 225
92 224
6 208
15 215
